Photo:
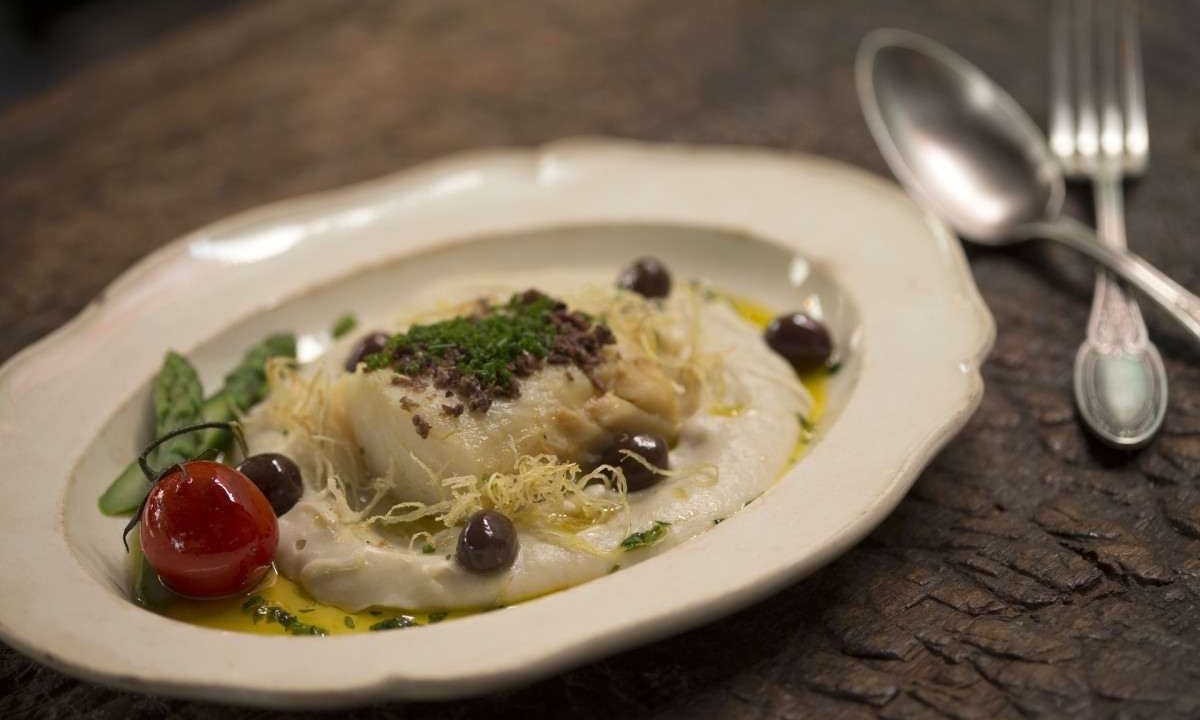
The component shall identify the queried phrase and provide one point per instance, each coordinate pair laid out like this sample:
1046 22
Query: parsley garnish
343 325
482 356
394 623
260 610
647 537
807 428
483 345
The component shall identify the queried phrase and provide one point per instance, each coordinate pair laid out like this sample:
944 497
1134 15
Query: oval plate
73 406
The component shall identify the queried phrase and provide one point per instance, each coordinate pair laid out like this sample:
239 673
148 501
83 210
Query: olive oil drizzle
279 606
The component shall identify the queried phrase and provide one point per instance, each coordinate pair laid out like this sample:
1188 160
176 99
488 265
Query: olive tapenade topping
367 345
481 357
423 427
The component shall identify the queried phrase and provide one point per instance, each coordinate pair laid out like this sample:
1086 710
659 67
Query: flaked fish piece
412 434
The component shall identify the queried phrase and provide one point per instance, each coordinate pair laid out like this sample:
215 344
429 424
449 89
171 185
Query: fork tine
1087 135
1137 136
1062 119
1108 94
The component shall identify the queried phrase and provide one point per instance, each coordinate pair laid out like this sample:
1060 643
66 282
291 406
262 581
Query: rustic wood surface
1028 573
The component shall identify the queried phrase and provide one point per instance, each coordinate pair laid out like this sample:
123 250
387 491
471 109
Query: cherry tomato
207 530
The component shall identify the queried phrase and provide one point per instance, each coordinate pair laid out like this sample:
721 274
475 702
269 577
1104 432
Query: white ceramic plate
791 231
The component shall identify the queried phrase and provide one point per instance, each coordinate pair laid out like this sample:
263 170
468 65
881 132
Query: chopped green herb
486 344
647 537
343 325
437 617
376 613
428 549
718 521
834 367
482 355
393 623
613 569
807 428
348 621
259 610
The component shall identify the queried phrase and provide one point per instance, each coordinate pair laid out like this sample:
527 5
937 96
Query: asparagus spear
244 387
177 402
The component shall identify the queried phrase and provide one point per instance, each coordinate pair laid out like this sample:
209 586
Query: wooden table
1028 573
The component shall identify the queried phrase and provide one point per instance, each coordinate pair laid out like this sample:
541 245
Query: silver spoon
967 152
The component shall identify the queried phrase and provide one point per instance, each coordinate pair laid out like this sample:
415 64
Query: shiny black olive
487 543
647 277
368 345
801 340
650 447
278 478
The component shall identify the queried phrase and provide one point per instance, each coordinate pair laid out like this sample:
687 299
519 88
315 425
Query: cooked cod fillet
412 434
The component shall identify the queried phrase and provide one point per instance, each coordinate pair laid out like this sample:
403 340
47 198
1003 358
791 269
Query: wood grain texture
1028 573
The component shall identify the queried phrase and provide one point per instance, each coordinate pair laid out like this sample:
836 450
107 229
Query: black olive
650 447
368 345
487 543
278 478
801 340
647 277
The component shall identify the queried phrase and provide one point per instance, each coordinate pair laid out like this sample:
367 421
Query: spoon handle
1168 294
1120 381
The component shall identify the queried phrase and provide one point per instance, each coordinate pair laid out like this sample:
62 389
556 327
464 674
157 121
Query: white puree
354 566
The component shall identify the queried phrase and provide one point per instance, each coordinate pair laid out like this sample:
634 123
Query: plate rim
577 151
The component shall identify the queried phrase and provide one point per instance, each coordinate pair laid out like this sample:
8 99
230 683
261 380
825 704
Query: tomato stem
152 477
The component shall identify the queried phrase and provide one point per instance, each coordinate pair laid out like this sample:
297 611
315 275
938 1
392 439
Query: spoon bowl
954 139
965 150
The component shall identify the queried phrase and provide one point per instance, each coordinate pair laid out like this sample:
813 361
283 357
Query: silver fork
1098 132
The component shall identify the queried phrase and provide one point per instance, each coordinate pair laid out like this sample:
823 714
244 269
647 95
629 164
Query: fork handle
1170 295
1115 323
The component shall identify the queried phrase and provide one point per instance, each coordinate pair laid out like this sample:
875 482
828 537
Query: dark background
42 41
